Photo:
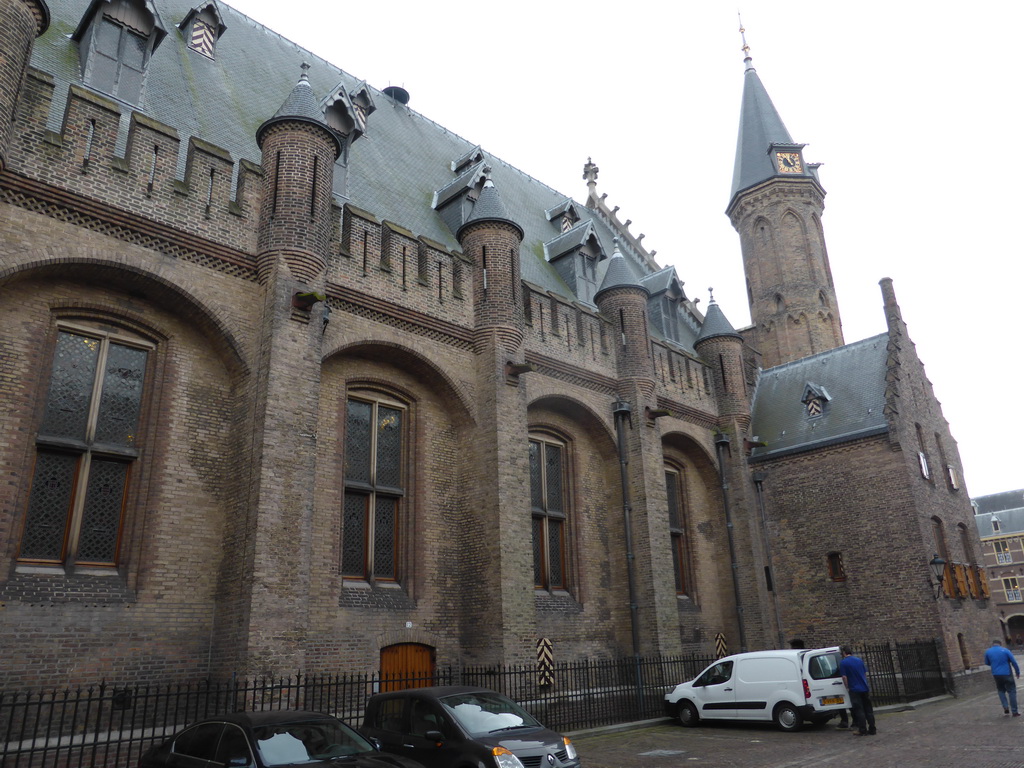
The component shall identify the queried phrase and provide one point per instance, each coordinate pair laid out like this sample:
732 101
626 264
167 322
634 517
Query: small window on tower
836 571
815 407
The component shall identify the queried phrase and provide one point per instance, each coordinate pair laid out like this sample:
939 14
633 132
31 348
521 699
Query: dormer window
116 41
202 37
202 28
564 215
815 400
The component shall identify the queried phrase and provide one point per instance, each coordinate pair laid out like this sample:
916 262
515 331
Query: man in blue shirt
1002 662
855 677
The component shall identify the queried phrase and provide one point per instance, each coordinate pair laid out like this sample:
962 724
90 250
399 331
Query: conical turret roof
303 106
619 274
489 207
715 324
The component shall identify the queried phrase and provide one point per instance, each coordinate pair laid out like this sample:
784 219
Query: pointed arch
793 234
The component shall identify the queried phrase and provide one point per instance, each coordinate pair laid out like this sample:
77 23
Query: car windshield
481 712
305 741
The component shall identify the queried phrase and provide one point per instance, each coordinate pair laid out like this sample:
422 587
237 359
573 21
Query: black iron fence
111 726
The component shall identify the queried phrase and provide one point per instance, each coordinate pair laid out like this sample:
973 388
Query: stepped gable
854 378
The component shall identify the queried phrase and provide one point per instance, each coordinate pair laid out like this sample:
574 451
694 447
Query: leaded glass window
548 506
675 486
86 449
374 488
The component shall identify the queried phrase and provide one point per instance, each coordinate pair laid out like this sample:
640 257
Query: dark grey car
464 727
269 739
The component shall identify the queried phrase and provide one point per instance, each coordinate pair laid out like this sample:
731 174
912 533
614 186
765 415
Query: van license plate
829 700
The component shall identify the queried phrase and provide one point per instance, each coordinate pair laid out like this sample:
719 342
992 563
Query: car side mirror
435 736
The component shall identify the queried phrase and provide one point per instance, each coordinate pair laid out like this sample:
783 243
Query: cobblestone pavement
969 732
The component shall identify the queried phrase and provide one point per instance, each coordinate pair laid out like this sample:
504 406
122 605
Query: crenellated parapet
126 161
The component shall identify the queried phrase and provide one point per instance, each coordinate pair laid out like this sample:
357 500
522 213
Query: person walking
1004 665
855 677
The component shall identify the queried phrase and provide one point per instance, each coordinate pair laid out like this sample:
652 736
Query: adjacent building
295 378
1000 521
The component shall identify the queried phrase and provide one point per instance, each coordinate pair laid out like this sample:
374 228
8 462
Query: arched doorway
406 665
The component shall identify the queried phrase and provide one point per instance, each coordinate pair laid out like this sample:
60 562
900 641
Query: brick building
1000 521
295 378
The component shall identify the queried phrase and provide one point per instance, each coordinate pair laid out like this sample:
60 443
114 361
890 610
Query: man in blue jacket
855 677
1003 668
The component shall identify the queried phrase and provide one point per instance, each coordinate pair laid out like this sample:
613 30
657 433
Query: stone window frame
543 516
369 570
678 526
106 333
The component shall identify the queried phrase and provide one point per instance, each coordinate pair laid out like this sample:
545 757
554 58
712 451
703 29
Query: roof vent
397 93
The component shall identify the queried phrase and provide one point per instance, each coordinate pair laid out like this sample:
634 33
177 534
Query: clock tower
776 208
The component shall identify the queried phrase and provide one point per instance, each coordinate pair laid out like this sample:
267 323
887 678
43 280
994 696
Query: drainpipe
759 478
623 412
721 448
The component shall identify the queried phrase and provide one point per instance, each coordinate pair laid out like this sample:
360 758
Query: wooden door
406 665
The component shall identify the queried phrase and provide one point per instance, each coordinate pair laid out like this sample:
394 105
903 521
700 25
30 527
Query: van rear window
824 666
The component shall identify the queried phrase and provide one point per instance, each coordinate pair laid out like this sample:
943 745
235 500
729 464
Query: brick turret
21 22
623 300
490 238
721 347
299 151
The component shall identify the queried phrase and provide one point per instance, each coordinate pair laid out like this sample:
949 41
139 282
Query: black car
266 739
463 727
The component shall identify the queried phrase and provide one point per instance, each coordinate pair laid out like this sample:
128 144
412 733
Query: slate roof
853 376
760 127
1011 521
394 169
1007 507
997 502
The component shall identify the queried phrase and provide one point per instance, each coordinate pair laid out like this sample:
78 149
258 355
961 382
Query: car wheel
787 717
687 714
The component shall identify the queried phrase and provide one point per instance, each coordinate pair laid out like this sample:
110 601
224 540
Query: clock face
788 162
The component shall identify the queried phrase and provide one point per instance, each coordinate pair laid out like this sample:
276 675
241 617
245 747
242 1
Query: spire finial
746 48
711 295
304 78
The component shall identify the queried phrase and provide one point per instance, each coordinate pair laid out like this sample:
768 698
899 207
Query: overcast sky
913 108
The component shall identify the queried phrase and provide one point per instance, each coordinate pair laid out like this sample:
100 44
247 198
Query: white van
789 687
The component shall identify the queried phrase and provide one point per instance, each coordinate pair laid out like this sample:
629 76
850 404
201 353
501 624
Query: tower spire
776 207
747 60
